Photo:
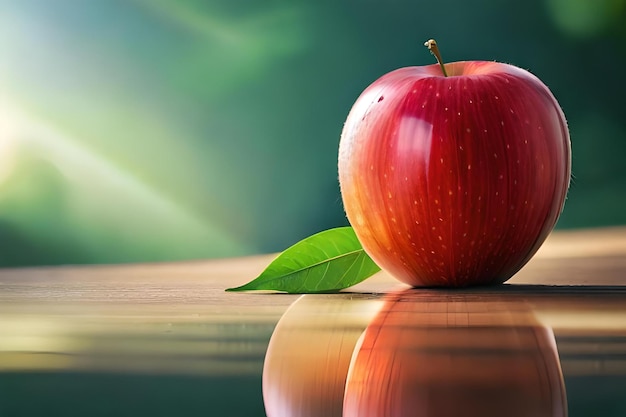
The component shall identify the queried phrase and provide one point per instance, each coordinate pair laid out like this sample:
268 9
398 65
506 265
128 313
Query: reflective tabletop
165 339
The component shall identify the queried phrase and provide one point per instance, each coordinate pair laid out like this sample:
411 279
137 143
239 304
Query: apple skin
454 181
455 354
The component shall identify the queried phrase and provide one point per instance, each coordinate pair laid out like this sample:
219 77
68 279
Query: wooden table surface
67 329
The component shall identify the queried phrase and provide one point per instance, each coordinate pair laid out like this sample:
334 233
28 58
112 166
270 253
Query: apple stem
432 47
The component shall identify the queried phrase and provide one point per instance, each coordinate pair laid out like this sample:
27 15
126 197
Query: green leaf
325 262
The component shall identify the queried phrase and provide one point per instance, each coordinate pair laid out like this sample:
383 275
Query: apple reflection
448 354
307 359
412 353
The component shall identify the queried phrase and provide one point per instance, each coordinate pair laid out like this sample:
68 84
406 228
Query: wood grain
176 317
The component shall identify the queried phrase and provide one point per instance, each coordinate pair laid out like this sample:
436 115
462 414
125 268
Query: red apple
454 180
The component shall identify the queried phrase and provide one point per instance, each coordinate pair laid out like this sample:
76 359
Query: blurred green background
159 130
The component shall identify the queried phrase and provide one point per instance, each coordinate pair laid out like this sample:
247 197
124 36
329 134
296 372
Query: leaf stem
431 44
